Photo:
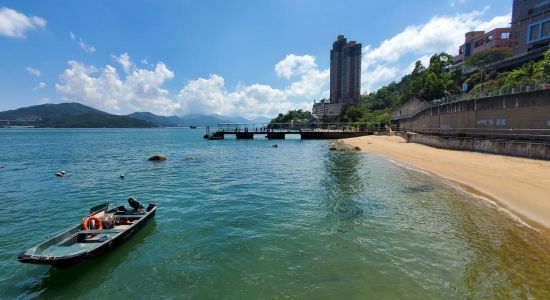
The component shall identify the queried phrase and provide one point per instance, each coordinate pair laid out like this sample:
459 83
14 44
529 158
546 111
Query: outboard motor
135 204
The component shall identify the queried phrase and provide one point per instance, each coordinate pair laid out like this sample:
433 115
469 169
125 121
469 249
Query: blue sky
242 57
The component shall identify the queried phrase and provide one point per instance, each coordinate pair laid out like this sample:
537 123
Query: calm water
241 220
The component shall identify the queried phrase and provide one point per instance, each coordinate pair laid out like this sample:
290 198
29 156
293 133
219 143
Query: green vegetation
294 116
489 56
434 82
437 81
69 115
94 121
531 75
440 80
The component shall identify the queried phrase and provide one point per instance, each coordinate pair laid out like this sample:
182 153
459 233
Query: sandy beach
517 184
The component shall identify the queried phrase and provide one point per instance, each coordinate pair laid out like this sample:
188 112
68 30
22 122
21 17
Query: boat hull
63 262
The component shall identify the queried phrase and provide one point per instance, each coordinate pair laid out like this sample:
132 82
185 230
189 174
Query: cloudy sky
238 58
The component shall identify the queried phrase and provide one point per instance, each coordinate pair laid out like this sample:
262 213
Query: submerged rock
274 146
356 148
157 158
332 148
421 188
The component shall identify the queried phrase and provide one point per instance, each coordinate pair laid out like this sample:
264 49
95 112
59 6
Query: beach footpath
518 184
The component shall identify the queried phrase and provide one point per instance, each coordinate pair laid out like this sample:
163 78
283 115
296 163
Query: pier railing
296 127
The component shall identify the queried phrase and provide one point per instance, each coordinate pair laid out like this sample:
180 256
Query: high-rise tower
345 72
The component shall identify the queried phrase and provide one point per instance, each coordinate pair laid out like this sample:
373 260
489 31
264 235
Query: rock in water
274 146
60 174
157 157
357 148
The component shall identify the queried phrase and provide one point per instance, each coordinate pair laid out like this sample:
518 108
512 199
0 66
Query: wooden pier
280 131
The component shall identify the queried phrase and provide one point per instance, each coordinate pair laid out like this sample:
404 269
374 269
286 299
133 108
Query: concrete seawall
528 111
504 147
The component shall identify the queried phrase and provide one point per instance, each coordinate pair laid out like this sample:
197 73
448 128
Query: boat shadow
89 274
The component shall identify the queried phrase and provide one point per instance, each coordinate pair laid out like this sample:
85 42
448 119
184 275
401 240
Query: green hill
69 115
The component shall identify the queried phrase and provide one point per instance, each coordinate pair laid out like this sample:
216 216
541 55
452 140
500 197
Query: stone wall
503 147
525 111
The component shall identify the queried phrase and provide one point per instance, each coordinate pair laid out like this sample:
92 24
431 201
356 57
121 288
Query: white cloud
295 65
80 42
311 81
210 95
33 72
440 34
140 90
16 24
124 61
39 86
496 22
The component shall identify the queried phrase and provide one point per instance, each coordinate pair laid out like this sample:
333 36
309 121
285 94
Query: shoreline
519 185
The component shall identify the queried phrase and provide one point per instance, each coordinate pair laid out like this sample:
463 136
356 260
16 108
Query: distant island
76 115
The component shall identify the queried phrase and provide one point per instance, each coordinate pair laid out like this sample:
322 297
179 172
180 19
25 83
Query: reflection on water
505 260
89 274
341 186
242 220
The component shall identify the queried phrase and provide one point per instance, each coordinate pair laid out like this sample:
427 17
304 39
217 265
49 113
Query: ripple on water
242 220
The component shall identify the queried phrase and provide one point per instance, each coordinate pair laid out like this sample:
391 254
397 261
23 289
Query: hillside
202 120
69 115
175 121
172 121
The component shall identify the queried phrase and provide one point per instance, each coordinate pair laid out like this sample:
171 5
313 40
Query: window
538 31
534 32
545 29
505 35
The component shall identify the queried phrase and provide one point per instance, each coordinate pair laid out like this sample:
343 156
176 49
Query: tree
488 56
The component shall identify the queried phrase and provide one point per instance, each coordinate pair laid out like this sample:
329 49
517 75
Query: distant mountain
69 115
242 120
172 121
175 121
202 120
76 115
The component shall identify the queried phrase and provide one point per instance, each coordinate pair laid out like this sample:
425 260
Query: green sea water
243 220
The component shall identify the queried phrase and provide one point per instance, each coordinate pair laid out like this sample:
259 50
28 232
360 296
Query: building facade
325 108
530 25
345 72
345 78
477 41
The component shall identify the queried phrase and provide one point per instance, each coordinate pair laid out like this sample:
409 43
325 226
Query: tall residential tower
345 78
345 71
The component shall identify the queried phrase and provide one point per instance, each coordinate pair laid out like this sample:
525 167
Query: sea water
238 219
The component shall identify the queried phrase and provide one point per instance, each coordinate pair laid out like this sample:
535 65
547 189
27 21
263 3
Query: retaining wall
530 110
504 147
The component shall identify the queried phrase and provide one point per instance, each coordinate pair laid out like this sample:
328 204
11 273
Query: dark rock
157 158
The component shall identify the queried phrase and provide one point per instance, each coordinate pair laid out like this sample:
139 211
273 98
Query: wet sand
518 184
